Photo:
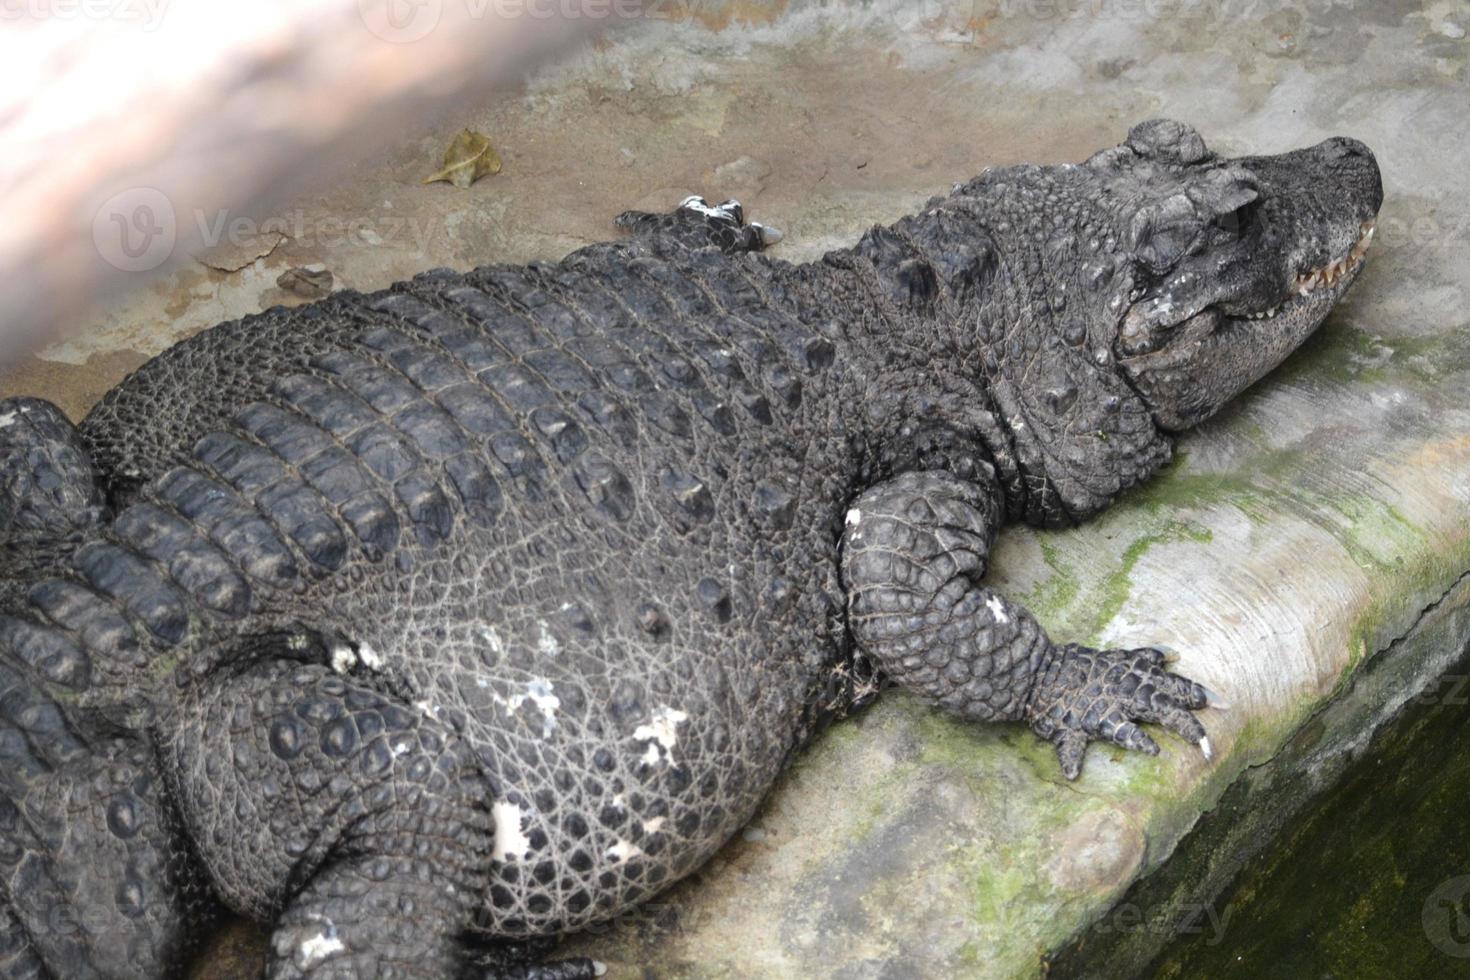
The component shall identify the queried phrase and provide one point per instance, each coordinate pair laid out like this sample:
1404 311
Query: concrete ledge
1185 897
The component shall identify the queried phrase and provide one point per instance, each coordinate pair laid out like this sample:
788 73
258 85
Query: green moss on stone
1117 587
1058 592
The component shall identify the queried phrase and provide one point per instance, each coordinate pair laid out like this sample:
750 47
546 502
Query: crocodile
429 625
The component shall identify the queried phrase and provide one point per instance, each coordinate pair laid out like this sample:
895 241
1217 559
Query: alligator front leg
913 554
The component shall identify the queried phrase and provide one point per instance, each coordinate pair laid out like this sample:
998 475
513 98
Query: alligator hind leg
93 881
18 957
359 829
48 486
696 223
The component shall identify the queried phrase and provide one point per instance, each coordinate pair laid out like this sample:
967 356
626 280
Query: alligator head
1235 261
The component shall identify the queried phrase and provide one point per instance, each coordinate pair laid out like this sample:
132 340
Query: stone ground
1315 524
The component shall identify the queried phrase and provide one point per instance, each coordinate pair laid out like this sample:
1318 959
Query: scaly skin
484 607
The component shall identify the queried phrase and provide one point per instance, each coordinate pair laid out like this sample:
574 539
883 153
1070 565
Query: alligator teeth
1330 275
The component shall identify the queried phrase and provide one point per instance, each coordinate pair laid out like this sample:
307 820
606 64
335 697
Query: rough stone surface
1295 537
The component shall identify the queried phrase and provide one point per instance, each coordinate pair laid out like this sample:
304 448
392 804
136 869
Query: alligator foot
1102 695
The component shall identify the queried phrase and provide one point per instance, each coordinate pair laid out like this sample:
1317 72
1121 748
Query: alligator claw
1167 655
1214 700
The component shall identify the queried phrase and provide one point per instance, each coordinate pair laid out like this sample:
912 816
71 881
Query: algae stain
1118 586
1378 535
1345 353
1058 592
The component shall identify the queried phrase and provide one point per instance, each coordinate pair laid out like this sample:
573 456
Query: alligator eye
1164 232
1236 223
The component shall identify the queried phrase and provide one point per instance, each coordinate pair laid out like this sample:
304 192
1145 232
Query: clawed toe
769 236
1163 655
1213 700
1106 695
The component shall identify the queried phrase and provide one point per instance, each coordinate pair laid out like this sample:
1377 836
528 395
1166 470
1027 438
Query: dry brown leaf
468 158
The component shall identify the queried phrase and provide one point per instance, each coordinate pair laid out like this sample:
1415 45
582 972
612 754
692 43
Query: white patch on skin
538 692
400 747
497 646
620 801
510 841
693 203
854 517
370 658
318 948
623 850
6 419
653 826
547 643
997 609
662 733
343 659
